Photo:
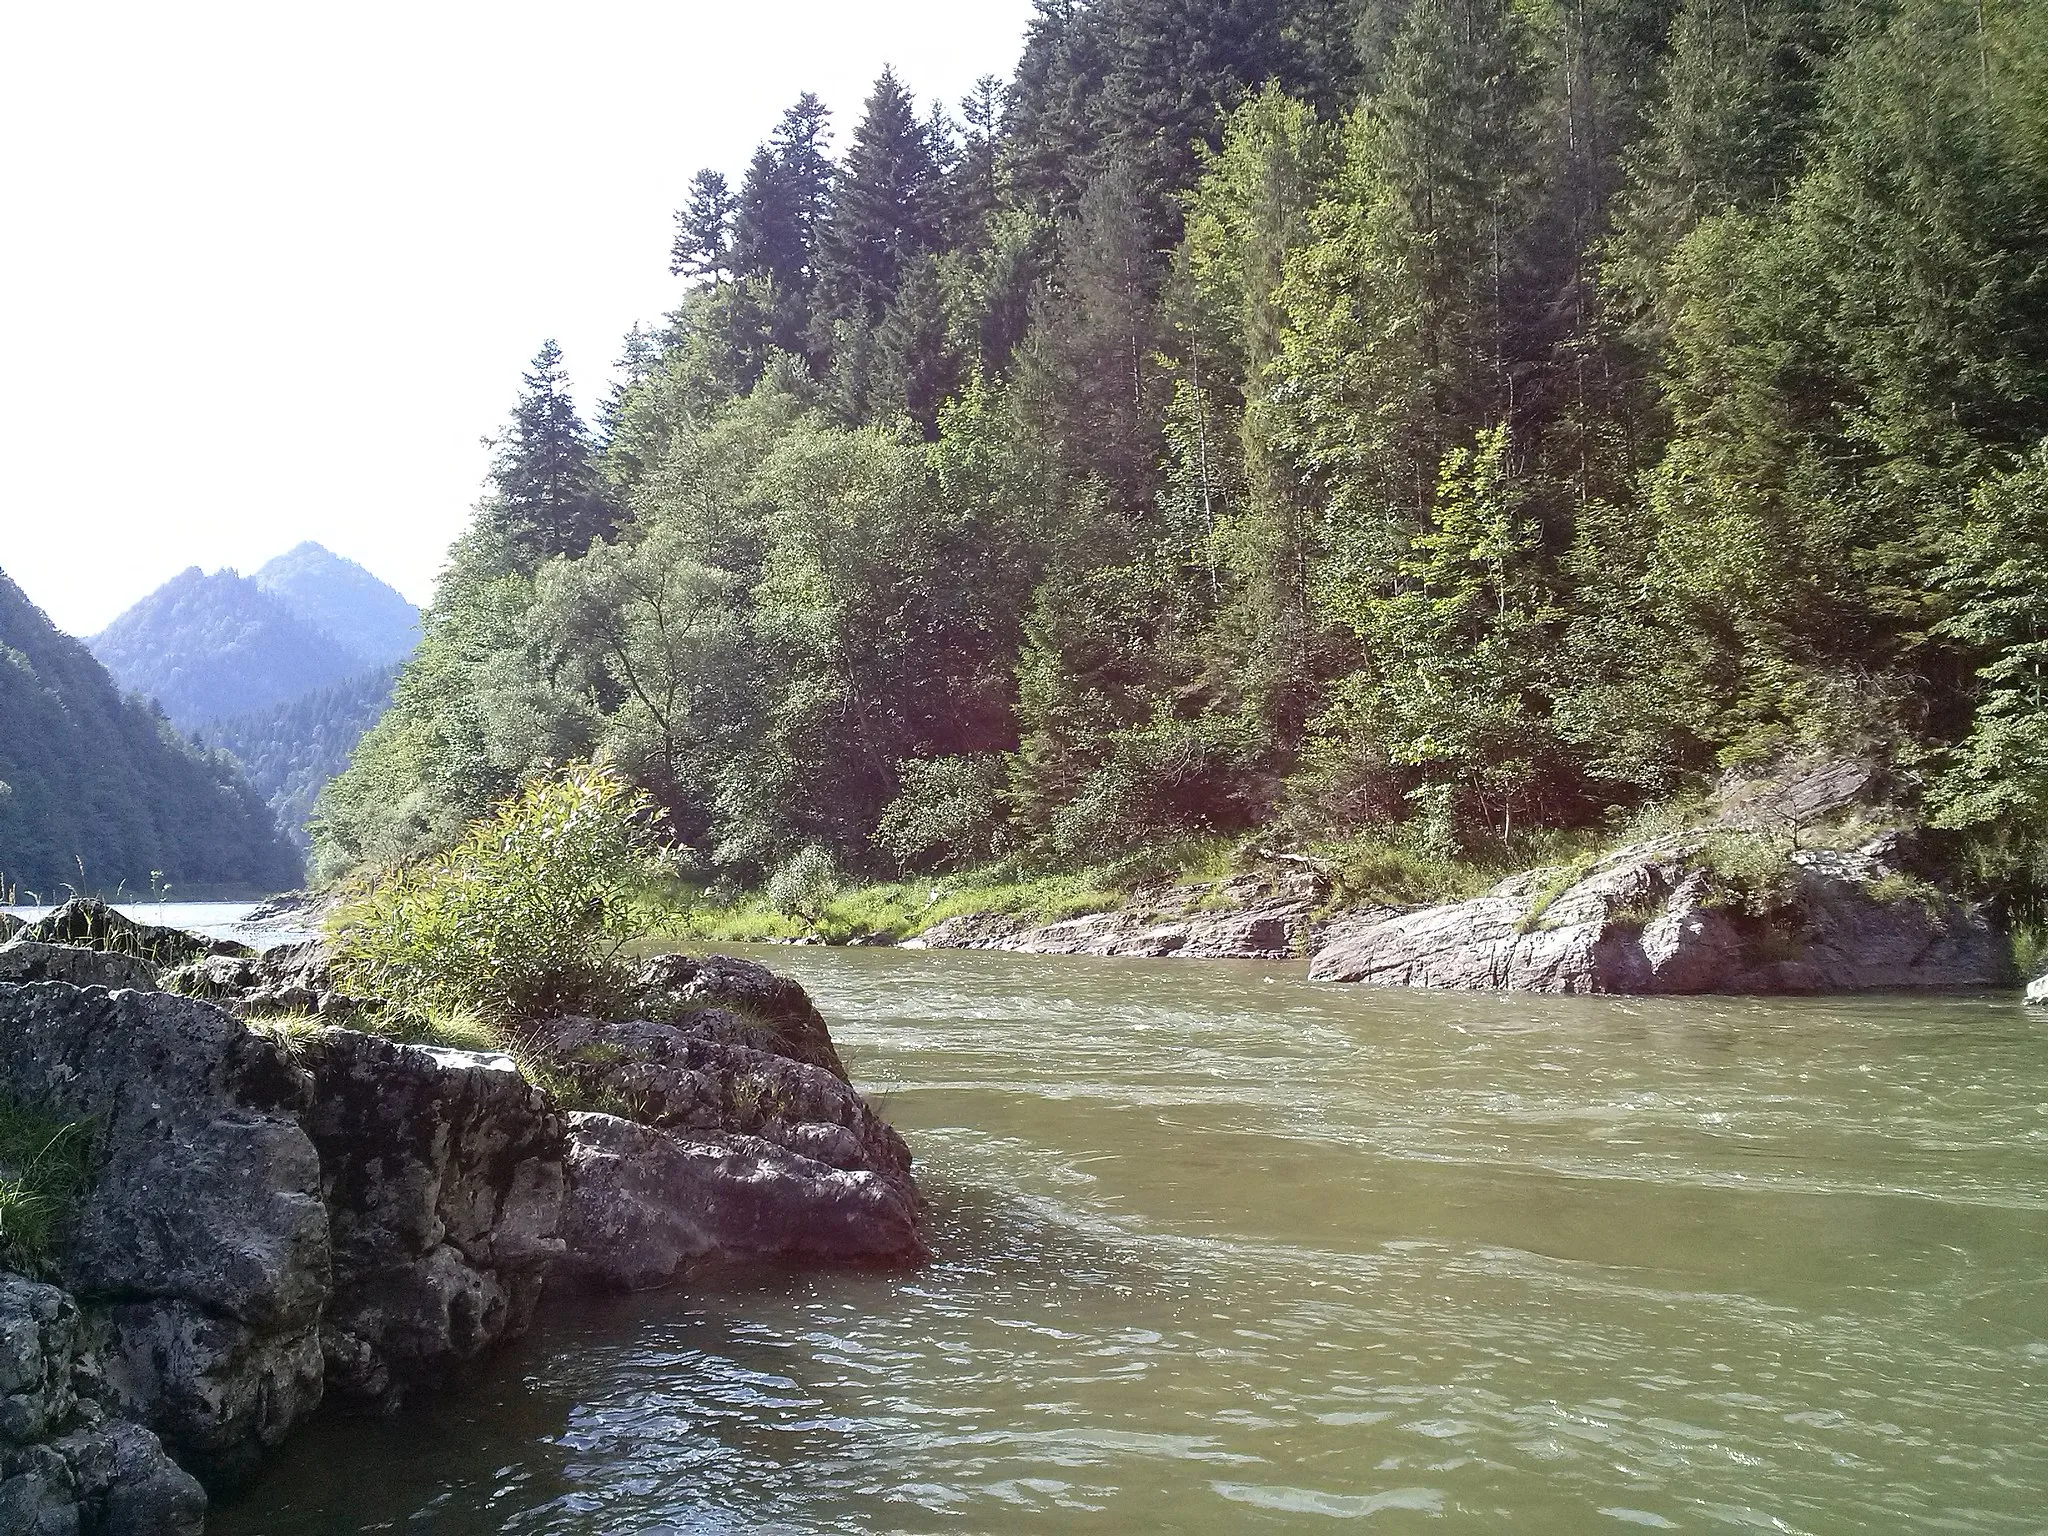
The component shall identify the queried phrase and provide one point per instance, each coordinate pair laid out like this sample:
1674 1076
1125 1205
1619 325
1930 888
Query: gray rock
27 960
1653 918
2037 993
63 1466
647 1204
291 979
710 1150
443 1175
10 925
1248 917
95 925
200 1249
739 1002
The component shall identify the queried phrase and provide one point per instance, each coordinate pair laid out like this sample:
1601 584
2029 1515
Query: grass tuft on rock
45 1166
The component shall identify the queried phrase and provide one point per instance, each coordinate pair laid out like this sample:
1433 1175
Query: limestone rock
739 1002
64 1468
200 1249
95 925
27 960
443 1176
1248 917
712 1150
10 925
288 979
1653 918
646 1204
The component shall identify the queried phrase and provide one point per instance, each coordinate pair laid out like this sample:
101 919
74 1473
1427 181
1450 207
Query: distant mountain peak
335 594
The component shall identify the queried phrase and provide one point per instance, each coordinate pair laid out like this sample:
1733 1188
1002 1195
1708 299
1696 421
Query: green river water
1220 1250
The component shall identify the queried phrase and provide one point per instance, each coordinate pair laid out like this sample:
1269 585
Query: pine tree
547 499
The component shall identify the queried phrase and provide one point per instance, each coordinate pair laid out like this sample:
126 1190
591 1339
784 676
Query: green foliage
804 887
522 919
45 1165
1429 428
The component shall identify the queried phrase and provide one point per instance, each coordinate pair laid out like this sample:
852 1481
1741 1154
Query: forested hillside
292 750
208 647
341 599
97 791
1430 418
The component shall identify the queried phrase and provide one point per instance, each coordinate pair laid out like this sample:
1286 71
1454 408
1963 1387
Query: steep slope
291 750
208 647
99 781
345 601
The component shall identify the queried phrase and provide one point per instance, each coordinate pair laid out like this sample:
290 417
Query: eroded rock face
26 960
65 1468
442 1172
720 1151
200 1250
1653 919
1248 917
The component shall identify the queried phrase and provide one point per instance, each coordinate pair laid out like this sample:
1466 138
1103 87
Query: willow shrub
524 918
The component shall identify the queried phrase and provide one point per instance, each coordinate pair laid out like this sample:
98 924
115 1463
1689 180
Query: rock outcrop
92 924
1658 918
200 1249
1247 917
272 1219
66 1469
24 960
739 1002
288 979
716 1151
442 1173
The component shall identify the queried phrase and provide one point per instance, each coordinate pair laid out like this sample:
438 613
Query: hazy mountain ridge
100 789
342 598
284 669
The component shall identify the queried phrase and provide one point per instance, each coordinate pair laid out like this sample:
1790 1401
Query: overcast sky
268 272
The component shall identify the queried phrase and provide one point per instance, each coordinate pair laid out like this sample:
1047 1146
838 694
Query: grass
45 1166
892 911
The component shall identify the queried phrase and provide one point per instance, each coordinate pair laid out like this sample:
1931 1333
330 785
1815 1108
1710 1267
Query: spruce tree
546 497
703 242
884 212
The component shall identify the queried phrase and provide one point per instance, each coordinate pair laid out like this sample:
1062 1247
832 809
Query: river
1220 1250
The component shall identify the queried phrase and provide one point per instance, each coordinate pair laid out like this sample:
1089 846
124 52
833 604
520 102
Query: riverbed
1220 1250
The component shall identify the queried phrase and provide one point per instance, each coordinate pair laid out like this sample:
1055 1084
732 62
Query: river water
1220 1250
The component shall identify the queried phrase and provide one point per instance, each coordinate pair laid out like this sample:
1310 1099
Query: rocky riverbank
281 1216
1809 881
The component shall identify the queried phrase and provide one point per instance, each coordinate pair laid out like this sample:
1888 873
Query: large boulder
199 1249
442 1172
1656 917
65 1468
648 1204
697 1148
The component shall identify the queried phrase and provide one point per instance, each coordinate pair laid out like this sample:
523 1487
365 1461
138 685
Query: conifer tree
884 212
703 242
546 496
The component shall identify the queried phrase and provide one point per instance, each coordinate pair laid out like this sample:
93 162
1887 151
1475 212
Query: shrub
524 918
804 887
947 814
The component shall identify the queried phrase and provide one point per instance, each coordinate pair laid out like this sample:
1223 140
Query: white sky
268 272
